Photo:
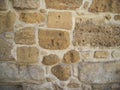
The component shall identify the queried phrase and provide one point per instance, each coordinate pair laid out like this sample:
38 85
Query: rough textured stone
105 6
116 54
53 39
62 72
32 18
5 50
27 55
87 33
63 4
26 4
71 56
7 21
117 17
85 6
102 87
58 20
25 36
50 59
101 54
85 55
11 87
3 4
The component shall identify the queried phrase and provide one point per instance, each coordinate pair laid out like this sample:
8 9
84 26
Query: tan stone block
63 4
54 39
27 55
101 54
32 18
25 36
3 4
117 17
61 20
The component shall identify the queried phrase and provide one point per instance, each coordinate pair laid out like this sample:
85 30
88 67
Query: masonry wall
59 44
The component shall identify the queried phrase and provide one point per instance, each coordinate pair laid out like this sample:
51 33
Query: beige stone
25 36
7 21
105 6
85 6
62 72
117 17
50 59
63 4
27 55
85 55
116 54
101 54
61 20
71 56
32 18
54 39
26 4
3 4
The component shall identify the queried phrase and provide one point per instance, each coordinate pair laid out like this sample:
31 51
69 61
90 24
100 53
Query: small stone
85 55
25 36
50 59
116 54
3 4
85 6
71 56
102 87
62 20
101 54
117 17
62 72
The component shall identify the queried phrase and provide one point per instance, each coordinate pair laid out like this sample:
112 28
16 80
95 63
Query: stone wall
59 44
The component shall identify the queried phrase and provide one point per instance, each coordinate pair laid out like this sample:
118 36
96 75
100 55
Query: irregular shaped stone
32 18
25 36
50 59
17 87
117 17
102 87
26 4
53 39
62 72
58 20
5 50
3 4
71 56
105 6
27 55
116 54
63 4
101 54
7 21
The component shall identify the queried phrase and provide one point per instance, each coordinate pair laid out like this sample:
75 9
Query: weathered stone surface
26 4
86 4
116 54
5 50
71 56
62 72
50 59
25 36
58 20
101 54
11 87
27 55
3 4
102 87
117 17
87 33
105 6
7 21
53 39
32 18
85 56
63 4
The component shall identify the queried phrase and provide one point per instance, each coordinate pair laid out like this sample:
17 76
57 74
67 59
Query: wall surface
59 44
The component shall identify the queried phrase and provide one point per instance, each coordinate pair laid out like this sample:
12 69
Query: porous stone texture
54 39
63 4
117 17
58 20
105 6
62 72
50 59
3 4
25 36
27 55
7 21
32 18
71 56
101 54
26 4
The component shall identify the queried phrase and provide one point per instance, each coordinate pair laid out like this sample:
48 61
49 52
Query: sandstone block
53 39
3 4
25 36
101 54
117 17
61 20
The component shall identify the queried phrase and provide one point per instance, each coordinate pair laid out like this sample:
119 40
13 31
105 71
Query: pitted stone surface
3 4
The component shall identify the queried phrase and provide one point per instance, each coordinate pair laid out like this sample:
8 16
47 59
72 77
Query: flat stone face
25 36
105 6
27 55
101 54
7 21
87 33
3 4
11 88
26 4
53 39
63 4
58 20
5 50
32 18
